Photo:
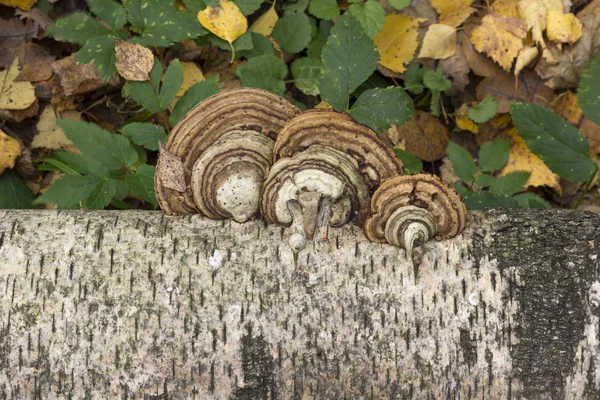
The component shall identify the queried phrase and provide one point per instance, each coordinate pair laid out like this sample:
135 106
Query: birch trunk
139 305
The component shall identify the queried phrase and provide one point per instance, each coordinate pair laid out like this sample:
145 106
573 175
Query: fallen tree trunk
140 305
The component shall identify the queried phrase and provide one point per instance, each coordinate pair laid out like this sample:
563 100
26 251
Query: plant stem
587 187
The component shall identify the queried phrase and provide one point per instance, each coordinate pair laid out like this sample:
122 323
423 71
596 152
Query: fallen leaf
133 61
22 4
77 79
423 136
191 74
40 19
10 150
533 12
567 106
506 8
477 62
51 136
439 42
20 115
456 67
12 33
500 37
266 22
397 42
15 95
526 56
463 121
521 159
591 131
35 62
563 28
169 169
225 21
453 12
324 105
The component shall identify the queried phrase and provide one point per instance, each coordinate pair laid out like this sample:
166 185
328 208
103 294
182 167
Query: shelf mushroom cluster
248 151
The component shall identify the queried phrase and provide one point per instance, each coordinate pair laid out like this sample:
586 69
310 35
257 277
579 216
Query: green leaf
381 108
101 52
483 199
195 5
307 73
171 83
264 72
435 80
559 144
160 24
113 151
68 191
241 44
494 155
324 9
261 45
399 4
78 28
463 163
100 195
485 110
510 184
146 93
144 134
247 7
371 16
413 78
412 164
193 96
292 32
141 183
109 11
14 193
588 93
484 180
531 200
81 164
349 58
295 7
314 48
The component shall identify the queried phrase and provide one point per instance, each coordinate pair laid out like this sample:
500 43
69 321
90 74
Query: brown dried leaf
500 37
36 62
77 79
456 67
12 33
169 169
133 61
424 136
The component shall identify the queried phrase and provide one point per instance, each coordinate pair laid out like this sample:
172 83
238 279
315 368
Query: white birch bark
140 305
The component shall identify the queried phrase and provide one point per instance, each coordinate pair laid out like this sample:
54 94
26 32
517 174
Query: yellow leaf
563 28
506 8
51 136
10 150
500 37
15 95
323 104
453 12
22 4
439 42
397 42
521 159
191 74
533 12
225 21
266 22
464 122
526 55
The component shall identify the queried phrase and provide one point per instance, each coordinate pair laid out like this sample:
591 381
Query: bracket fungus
225 146
409 210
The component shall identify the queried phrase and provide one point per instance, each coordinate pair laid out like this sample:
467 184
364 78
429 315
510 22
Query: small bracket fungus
409 210
225 146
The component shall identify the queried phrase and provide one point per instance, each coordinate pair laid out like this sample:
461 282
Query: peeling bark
140 305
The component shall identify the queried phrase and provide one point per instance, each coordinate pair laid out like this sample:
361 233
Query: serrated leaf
292 32
141 183
241 44
463 163
81 164
510 184
349 58
413 78
263 72
101 52
193 96
484 180
435 80
484 111
397 42
531 200
160 24
371 16
494 155
100 195
146 93
69 190
296 7
315 47
14 193
145 134
399 4
324 9
113 151
380 108
171 84
77 27
483 199
588 93
195 5
559 144
307 73
261 45
109 11
412 164
247 7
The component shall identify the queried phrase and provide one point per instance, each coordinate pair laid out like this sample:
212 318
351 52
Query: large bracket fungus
409 210
225 146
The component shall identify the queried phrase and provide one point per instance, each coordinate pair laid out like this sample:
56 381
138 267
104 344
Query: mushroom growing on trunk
409 210
225 145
